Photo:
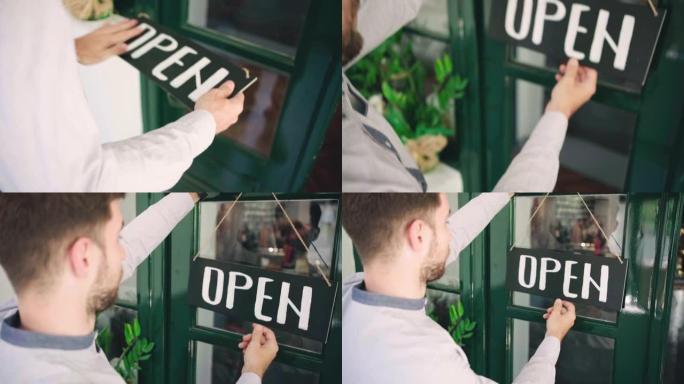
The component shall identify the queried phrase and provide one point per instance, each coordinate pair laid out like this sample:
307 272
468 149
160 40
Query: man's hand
260 348
106 41
224 110
575 86
559 318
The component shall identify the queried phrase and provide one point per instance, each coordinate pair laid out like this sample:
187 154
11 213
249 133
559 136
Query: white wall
112 89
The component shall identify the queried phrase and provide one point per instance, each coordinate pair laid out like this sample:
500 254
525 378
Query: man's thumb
571 69
557 306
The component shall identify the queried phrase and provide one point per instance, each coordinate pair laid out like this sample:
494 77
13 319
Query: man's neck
54 314
393 281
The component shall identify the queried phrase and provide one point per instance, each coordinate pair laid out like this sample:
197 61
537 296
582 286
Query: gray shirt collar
11 332
360 295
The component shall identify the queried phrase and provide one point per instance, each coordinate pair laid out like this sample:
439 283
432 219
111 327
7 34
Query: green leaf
439 71
148 347
128 333
459 308
398 121
453 316
448 65
136 327
145 357
470 326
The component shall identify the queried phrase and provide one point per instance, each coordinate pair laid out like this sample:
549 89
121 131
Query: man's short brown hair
34 226
373 220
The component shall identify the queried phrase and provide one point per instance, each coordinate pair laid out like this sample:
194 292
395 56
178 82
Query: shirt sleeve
142 235
467 222
541 369
156 160
249 378
377 20
535 168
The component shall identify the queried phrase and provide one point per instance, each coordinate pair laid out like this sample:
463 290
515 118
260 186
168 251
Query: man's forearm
249 378
142 235
541 369
535 168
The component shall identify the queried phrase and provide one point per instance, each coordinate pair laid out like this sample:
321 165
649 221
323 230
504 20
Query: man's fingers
570 307
125 35
122 25
116 50
571 68
226 89
268 334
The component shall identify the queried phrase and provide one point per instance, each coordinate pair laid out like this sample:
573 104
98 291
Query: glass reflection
258 233
272 24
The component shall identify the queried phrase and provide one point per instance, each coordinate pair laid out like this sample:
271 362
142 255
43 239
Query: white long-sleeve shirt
29 357
387 340
375 160
49 140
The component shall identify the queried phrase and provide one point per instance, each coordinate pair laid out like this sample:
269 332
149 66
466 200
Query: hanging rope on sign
219 223
317 263
599 226
653 8
531 217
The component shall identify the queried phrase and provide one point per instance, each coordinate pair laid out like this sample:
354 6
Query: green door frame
313 94
168 321
643 327
654 162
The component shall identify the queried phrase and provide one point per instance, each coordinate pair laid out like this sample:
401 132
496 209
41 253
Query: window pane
214 364
257 233
256 127
584 358
128 289
272 24
596 151
563 223
231 323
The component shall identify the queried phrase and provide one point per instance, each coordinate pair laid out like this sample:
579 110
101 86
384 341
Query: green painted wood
473 286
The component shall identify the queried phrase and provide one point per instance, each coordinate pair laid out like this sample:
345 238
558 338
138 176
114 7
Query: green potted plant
417 103
460 328
135 350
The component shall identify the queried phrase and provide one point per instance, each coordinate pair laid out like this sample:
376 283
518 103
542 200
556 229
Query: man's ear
79 256
416 232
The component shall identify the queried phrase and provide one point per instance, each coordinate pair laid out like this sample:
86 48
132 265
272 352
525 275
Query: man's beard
102 297
353 46
433 268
